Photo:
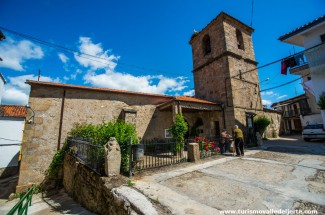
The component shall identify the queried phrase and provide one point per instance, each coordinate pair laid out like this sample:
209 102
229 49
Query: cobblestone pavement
286 173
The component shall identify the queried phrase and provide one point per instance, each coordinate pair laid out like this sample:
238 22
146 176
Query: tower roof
223 16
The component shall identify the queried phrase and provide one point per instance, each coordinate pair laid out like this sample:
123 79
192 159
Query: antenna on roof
39 74
252 13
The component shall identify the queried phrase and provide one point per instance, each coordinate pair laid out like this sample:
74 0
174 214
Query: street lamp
31 119
266 79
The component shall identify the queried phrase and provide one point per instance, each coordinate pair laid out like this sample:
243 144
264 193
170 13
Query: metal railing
297 112
91 155
152 154
25 201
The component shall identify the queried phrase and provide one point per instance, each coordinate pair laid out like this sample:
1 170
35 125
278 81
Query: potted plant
321 104
260 125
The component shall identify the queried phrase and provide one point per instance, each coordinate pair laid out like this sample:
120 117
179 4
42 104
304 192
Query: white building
311 36
12 121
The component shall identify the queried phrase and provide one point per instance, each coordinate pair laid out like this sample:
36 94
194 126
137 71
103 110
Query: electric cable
281 85
81 54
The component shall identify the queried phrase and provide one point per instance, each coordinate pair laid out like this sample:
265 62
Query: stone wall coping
137 200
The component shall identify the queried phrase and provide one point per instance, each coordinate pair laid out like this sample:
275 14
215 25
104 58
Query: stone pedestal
259 139
112 157
193 152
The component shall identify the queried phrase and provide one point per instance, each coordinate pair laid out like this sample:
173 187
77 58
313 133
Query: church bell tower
224 68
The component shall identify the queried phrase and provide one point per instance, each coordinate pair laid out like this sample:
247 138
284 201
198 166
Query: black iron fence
89 154
152 154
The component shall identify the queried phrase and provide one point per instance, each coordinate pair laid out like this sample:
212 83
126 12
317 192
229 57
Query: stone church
226 93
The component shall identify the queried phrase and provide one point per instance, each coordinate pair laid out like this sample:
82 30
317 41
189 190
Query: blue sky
148 34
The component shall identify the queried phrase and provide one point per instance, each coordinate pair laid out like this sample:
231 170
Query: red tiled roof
13 111
192 99
70 86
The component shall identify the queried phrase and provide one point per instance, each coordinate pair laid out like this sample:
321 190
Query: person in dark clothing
225 138
239 140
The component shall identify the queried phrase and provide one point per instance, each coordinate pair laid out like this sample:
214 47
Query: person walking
239 141
225 137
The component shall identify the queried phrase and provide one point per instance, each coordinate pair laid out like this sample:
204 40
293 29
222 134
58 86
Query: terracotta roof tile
192 99
70 86
13 111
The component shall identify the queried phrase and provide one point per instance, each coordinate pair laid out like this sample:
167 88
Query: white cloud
63 57
268 93
116 80
17 92
189 93
266 102
283 96
107 61
15 53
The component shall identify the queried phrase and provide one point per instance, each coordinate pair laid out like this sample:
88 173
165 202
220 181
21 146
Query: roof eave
223 15
303 29
78 87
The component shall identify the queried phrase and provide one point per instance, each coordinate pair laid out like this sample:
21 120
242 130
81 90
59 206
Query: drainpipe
178 107
226 90
223 115
61 119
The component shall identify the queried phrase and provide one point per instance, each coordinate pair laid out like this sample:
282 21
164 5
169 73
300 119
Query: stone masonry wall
273 129
217 42
39 139
231 39
208 118
92 191
80 106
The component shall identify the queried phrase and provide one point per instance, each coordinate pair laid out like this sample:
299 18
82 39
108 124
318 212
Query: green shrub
178 130
321 102
100 134
261 123
57 162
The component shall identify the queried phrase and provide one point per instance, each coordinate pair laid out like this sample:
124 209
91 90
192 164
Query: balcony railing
297 112
301 64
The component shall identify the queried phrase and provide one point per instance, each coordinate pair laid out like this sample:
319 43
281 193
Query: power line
9 139
276 61
81 54
90 57
281 85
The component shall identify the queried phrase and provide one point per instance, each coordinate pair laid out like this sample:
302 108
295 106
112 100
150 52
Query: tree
261 123
178 130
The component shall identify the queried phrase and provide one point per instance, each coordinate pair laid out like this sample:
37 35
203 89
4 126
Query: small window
240 40
206 44
322 38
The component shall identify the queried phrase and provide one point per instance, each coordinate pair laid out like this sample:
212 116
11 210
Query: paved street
289 174
286 174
